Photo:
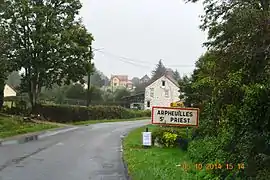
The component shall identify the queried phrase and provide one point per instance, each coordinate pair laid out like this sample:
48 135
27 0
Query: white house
8 91
161 92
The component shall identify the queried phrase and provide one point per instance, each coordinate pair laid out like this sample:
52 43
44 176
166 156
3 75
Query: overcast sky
134 34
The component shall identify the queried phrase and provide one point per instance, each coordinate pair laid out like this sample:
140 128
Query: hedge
67 113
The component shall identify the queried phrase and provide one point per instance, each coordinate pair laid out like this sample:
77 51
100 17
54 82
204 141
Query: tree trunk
33 94
2 87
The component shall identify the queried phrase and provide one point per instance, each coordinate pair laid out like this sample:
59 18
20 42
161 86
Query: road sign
147 138
173 116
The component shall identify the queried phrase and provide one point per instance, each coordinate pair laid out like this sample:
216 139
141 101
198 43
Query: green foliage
97 78
135 81
141 87
5 63
76 91
50 48
159 71
63 113
14 79
56 93
168 136
2 87
11 126
19 108
96 94
120 93
169 139
231 82
176 75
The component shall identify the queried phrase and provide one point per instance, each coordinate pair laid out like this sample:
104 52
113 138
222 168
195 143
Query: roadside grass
12 126
108 120
158 163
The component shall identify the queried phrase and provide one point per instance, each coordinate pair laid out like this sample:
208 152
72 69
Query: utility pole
89 67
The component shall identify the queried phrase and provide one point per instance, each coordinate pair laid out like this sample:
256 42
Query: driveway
89 153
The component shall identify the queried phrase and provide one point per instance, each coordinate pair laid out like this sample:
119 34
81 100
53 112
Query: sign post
175 116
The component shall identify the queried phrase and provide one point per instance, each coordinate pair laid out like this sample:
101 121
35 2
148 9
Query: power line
122 57
125 61
134 61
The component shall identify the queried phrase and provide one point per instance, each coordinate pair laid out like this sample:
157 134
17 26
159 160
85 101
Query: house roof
145 77
12 87
168 75
120 77
137 94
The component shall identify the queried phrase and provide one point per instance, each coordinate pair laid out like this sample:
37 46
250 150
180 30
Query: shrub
20 108
65 113
170 137
182 143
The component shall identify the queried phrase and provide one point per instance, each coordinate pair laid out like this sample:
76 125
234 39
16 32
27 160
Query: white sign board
147 138
175 116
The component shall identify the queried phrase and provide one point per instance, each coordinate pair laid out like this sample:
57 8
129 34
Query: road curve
89 153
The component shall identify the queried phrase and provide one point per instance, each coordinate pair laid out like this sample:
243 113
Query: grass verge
158 163
12 126
108 120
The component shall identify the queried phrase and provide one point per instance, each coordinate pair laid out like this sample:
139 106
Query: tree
56 93
120 93
158 71
76 91
176 75
185 89
135 81
97 78
5 64
106 80
14 79
48 41
235 74
96 94
108 95
141 87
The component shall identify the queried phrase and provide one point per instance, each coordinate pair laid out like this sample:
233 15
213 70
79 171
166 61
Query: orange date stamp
212 166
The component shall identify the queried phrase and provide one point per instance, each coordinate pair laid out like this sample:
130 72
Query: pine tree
159 70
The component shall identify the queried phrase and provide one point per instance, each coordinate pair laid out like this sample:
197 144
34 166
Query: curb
123 160
35 137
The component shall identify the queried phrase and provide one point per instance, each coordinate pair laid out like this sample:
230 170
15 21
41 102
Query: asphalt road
89 153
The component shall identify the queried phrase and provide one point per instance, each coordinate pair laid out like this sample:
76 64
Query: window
115 84
167 93
151 92
163 83
148 103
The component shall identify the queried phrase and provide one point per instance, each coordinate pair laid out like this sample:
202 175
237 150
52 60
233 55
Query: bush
170 137
64 113
20 108
206 150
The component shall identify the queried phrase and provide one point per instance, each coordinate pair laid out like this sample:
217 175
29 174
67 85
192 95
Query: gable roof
11 87
145 77
168 75
120 77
